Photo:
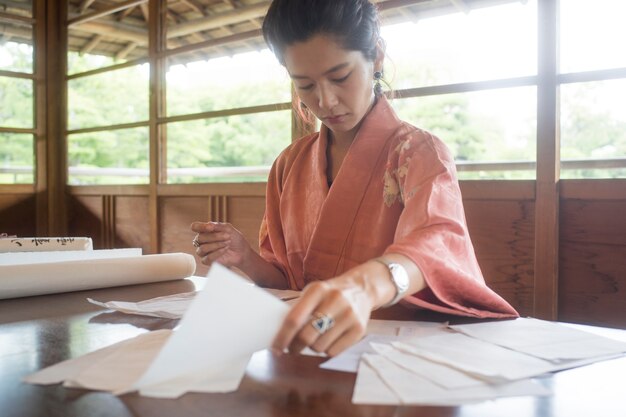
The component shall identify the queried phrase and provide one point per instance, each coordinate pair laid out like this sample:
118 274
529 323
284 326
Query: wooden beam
194 6
548 166
92 43
145 12
17 18
103 12
219 20
125 13
84 6
123 53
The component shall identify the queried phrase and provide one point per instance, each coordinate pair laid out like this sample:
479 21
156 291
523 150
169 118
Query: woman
363 213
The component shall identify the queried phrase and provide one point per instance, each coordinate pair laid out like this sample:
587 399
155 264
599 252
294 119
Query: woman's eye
342 79
305 87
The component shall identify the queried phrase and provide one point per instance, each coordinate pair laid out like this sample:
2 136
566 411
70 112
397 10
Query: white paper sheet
412 389
543 339
475 357
167 307
174 306
76 275
36 244
440 374
30 258
379 331
370 389
226 323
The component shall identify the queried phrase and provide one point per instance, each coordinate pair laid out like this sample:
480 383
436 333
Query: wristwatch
399 278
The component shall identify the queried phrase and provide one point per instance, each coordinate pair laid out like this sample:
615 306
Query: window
470 78
107 94
17 97
239 123
592 90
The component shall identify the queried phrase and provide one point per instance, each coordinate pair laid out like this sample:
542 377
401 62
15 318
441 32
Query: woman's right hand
220 242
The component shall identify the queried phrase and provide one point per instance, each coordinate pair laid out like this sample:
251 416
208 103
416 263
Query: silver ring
322 322
195 242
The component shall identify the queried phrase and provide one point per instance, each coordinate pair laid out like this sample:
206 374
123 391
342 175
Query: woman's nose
327 98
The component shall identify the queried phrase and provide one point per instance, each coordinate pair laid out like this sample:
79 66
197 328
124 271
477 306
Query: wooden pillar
51 111
548 165
158 160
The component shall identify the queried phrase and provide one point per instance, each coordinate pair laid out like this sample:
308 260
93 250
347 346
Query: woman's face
334 83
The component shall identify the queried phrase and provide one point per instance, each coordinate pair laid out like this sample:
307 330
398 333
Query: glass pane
17 158
16 102
592 34
17 55
490 43
593 127
109 98
225 83
250 142
111 157
108 40
497 126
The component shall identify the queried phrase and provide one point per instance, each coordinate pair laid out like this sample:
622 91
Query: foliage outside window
486 129
17 157
593 113
248 142
109 98
117 156
17 151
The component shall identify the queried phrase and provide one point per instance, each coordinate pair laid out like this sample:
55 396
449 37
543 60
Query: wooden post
51 102
158 160
548 166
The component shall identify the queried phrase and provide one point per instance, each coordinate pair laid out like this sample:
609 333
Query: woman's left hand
345 301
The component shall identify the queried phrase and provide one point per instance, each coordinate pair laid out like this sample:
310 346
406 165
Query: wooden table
36 332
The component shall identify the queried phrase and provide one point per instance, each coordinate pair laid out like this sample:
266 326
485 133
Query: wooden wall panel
592 282
18 214
132 222
503 235
175 216
85 218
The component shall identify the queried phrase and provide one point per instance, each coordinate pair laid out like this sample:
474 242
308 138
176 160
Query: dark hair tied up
353 23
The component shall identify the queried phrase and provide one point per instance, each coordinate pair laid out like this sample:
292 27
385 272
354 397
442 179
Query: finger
310 335
342 325
298 316
208 248
214 256
345 341
213 237
200 227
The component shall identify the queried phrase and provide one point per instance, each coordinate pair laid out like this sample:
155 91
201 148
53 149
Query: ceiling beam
84 5
92 43
219 20
77 20
123 53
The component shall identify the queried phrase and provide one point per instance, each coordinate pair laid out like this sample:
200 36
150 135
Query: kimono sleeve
432 232
271 237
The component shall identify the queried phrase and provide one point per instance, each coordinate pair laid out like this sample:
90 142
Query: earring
378 88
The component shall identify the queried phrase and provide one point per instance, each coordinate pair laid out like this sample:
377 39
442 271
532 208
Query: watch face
400 277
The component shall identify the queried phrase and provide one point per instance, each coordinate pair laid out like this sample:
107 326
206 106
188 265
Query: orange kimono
396 192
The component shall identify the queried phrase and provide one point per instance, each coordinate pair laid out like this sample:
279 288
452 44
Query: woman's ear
381 46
